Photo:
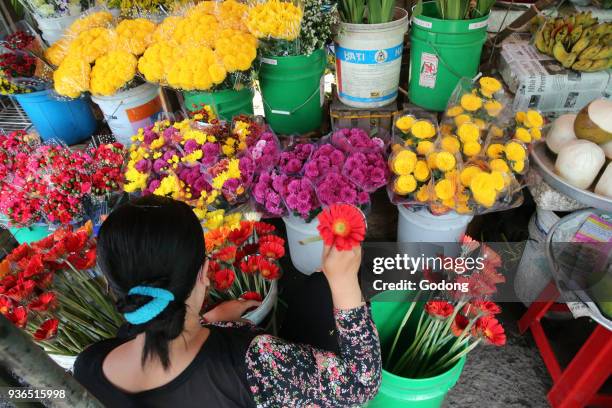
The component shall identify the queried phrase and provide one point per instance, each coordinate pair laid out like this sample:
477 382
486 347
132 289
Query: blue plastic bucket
70 121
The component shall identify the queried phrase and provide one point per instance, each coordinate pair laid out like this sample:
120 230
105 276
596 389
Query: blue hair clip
149 311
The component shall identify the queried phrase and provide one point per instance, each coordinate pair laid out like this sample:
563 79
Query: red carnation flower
43 302
269 270
46 330
439 308
19 316
271 250
251 296
342 225
263 228
459 324
240 235
250 265
489 328
227 254
223 279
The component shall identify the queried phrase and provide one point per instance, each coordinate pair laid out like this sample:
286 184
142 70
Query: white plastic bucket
66 362
533 273
423 226
306 258
129 110
257 316
368 61
53 28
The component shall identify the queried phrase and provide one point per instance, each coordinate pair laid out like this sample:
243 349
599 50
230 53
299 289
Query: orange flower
269 270
215 238
342 225
240 235
489 329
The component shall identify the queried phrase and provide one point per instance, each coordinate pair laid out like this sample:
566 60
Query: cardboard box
540 82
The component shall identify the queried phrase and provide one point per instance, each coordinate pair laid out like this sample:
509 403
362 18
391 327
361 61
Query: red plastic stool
575 386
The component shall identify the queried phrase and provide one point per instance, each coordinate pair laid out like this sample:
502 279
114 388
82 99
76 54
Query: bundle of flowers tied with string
50 289
210 166
244 261
472 161
440 328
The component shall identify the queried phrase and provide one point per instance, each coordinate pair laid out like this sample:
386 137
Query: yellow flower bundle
275 19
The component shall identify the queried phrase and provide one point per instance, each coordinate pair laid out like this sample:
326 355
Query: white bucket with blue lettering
368 61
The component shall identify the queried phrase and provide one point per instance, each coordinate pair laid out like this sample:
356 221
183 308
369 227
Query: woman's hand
341 269
230 310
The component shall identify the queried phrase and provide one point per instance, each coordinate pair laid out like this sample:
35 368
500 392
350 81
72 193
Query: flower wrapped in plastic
410 178
356 140
294 157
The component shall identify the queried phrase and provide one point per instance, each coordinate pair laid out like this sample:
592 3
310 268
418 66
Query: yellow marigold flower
445 161
468 173
536 133
97 19
232 221
495 150
111 72
192 157
405 123
403 162
499 165
58 51
533 119
471 149
421 171
468 132
72 77
450 144
169 186
461 119
523 135
217 73
423 194
200 212
493 107
482 186
92 44
404 184
488 86
482 125
515 151
424 147
520 117
454 111
471 102
431 160
135 35
518 166
500 180
485 197
275 19
496 132
423 129
444 189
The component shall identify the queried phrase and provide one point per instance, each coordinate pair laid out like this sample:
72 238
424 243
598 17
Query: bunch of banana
577 42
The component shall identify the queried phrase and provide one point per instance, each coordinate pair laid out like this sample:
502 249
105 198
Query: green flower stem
424 355
442 366
410 353
417 335
401 327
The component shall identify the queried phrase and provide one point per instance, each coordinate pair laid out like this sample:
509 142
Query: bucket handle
447 66
292 111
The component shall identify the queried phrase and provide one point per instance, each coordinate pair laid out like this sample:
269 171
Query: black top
215 378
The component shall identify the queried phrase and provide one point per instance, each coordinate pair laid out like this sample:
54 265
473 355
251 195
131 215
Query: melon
594 122
561 132
579 162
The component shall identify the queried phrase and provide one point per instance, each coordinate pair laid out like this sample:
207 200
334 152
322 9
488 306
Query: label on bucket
476 26
367 76
422 23
269 61
429 70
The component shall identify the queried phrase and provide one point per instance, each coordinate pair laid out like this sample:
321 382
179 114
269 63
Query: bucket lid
430 20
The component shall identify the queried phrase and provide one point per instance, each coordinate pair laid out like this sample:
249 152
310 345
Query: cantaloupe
594 122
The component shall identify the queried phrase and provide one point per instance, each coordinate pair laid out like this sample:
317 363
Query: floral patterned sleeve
283 374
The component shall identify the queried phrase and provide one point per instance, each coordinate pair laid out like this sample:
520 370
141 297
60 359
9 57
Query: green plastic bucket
226 103
441 53
292 92
388 310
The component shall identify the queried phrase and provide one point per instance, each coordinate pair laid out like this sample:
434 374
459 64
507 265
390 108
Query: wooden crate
377 121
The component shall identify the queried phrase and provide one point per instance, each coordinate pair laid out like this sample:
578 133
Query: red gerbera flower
263 228
489 328
6 304
459 324
269 270
21 290
342 225
250 265
272 239
271 250
87 261
7 283
43 302
439 308
46 330
469 244
22 251
19 316
45 243
251 296
226 254
34 267
223 279
240 235
45 280
487 307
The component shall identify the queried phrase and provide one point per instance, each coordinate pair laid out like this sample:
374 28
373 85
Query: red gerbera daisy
240 235
19 316
487 307
44 280
46 330
21 290
342 225
269 270
226 254
271 250
223 279
7 283
489 328
75 242
250 265
251 296
275 239
6 304
459 324
87 261
263 228
43 302
34 267
439 308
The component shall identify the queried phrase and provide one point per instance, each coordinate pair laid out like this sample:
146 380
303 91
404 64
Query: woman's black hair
152 241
